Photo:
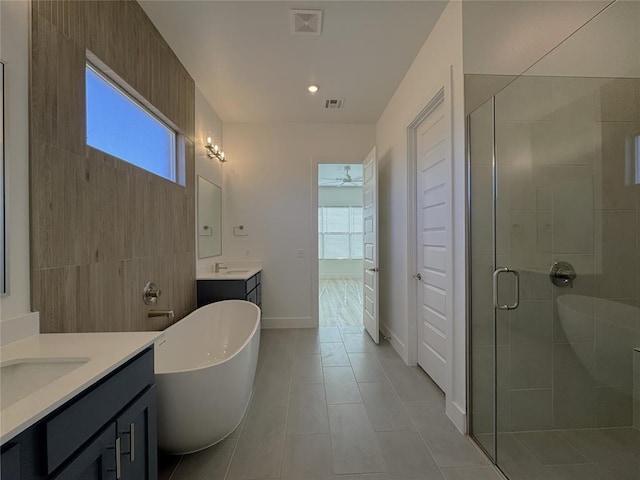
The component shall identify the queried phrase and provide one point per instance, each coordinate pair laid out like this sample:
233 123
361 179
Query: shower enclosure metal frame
469 281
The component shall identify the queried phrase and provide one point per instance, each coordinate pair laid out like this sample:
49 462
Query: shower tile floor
581 454
330 404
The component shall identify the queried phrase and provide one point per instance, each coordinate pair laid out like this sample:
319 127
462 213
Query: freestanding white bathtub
205 367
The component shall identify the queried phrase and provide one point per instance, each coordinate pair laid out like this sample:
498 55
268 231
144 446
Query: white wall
506 38
207 120
503 39
605 47
268 189
14 48
441 51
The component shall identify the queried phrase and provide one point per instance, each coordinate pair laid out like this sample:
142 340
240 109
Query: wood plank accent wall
102 228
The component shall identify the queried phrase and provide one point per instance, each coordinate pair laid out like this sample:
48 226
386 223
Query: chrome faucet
218 266
161 313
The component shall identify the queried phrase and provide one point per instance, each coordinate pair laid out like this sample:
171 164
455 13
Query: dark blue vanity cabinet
106 432
210 291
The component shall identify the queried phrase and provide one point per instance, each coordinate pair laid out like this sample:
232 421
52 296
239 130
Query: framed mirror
3 226
209 219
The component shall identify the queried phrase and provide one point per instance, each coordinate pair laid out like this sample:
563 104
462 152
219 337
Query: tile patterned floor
329 404
585 454
340 302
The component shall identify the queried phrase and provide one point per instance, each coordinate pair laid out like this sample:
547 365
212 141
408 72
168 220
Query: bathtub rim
208 365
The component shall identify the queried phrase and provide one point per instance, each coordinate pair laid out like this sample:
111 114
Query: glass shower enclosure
554 205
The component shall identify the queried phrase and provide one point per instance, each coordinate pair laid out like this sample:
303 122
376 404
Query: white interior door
434 246
370 248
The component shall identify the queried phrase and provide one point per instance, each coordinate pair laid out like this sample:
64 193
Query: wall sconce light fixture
213 149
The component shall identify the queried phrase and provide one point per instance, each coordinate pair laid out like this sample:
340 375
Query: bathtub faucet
161 313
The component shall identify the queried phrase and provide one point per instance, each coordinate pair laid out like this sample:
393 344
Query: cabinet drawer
84 416
251 283
252 296
10 462
96 461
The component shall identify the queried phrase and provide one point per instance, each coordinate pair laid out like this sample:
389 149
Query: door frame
442 95
315 265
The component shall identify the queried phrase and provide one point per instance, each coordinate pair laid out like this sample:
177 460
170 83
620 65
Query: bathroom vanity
79 406
234 283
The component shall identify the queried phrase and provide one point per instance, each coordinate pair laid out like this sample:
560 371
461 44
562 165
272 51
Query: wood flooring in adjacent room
340 302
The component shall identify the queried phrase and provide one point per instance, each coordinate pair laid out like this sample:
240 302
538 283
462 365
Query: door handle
418 276
374 269
516 302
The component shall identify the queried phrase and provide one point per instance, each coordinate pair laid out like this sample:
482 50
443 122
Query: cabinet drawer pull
132 440
118 470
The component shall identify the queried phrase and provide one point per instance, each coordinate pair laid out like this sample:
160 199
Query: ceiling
250 67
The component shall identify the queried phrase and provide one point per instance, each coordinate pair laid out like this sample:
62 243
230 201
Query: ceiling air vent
334 103
306 22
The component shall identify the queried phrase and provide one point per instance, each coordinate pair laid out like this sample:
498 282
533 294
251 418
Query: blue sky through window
120 127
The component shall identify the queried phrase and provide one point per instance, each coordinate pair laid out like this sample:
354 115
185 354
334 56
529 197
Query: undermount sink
21 377
235 272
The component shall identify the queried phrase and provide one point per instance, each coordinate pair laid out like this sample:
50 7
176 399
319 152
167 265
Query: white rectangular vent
334 103
306 22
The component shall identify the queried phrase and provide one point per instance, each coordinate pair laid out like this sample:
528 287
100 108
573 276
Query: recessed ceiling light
312 88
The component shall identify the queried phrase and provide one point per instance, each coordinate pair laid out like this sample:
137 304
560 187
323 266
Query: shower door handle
516 302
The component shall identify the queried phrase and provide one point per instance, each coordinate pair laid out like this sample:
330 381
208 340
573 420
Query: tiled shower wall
566 191
100 227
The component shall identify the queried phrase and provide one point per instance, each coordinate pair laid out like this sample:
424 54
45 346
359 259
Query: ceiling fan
345 180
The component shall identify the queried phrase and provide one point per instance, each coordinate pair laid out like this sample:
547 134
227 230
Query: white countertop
106 352
234 271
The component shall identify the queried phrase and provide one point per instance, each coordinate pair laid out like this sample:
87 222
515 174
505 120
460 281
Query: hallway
330 404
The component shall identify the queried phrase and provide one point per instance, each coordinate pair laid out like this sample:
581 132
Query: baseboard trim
397 344
457 415
288 322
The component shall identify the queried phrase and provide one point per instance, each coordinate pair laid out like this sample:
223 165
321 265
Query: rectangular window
120 126
356 246
340 233
336 219
356 220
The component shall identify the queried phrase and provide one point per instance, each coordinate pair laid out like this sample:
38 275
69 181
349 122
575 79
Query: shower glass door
554 169
566 214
